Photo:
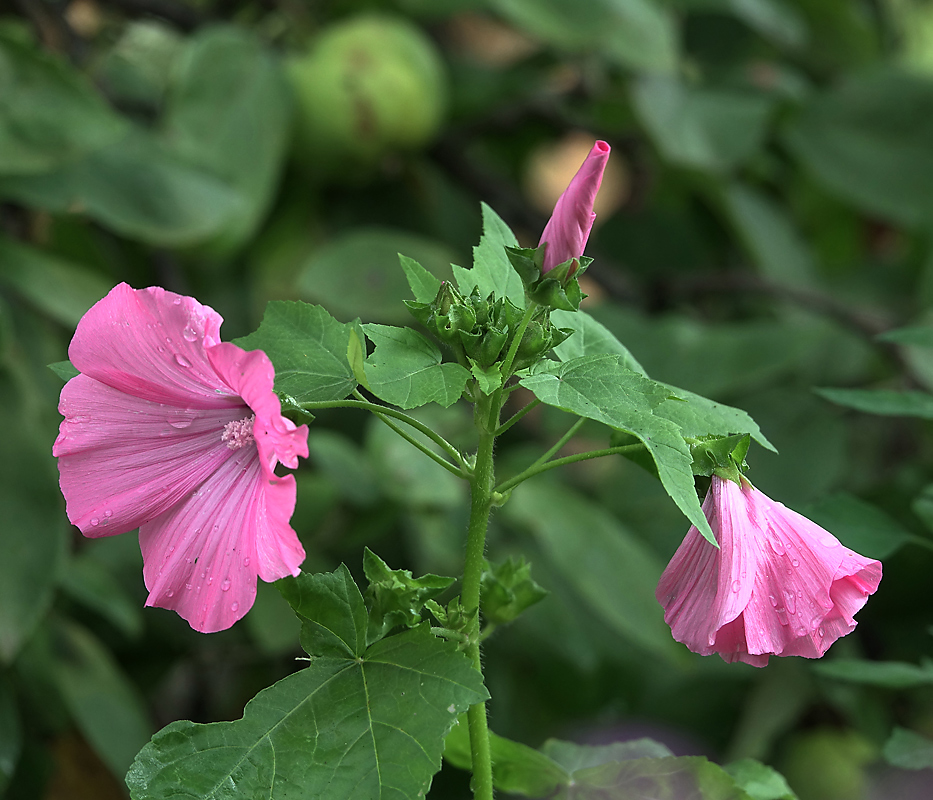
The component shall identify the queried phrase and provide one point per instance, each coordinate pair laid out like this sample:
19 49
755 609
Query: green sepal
423 312
454 617
394 597
64 369
527 262
356 353
508 589
721 455
291 406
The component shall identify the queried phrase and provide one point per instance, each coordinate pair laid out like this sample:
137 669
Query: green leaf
50 114
424 286
861 526
331 610
308 348
11 739
228 111
590 338
357 274
698 416
61 289
886 674
868 139
64 369
575 757
603 389
492 271
916 335
778 249
606 564
406 370
394 597
508 589
708 129
102 700
760 781
887 403
341 729
489 379
908 750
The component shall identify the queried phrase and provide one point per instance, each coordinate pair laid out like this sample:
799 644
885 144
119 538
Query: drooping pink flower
569 226
170 430
779 584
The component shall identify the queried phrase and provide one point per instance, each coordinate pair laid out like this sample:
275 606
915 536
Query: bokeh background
766 218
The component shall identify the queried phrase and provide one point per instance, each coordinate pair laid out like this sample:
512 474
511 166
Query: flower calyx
557 287
721 455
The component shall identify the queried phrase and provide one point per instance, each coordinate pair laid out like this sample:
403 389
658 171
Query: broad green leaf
698 416
64 369
365 728
886 674
492 271
11 734
760 781
101 698
603 389
50 113
357 274
917 335
575 757
516 768
308 348
861 526
776 246
908 750
607 566
868 139
34 542
424 286
708 129
881 401
332 612
406 370
137 187
61 289
639 34
590 338
228 112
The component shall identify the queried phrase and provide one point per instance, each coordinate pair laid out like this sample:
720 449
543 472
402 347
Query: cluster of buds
480 329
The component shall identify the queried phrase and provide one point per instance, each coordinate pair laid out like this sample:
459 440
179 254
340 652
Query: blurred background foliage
766 217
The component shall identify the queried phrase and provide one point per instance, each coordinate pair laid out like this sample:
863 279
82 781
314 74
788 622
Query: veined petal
152 344
202 557
123 460
252 375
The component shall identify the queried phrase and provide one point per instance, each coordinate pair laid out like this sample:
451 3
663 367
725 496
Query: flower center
238 433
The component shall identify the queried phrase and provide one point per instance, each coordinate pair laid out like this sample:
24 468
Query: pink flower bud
569 226
779 584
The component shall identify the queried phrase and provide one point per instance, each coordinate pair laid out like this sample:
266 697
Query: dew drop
246 561
168 339
176 301
225 586
95 521
170 594
736 586
188 586
203 575
773 600
795 562
190 334
180 423
829 541
777 546
181 360
210 580
161 349
791 600
108 513
234 606
821 632
171 549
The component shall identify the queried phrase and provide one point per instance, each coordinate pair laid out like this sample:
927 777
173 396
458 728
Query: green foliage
889 674
492 273
880 401
909 750
508 589
859 525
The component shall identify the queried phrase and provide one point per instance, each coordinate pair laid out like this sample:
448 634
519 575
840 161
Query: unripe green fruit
368 86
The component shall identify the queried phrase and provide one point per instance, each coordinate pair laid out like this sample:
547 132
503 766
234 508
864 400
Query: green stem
481 483
538 468
517 416
386 411
559 443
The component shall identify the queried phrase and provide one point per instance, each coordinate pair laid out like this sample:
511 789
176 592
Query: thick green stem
481 486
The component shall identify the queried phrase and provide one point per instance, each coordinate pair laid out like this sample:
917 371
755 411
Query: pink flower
569 226
170 430
779 584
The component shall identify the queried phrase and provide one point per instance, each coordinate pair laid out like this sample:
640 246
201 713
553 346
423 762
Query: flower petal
252 376
151 343
123 461
201 558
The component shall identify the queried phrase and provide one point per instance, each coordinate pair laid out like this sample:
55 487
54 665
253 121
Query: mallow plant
188 438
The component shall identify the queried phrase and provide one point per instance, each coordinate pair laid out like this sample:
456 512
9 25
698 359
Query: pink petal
251 375
151 344
123 461
201 558
569 227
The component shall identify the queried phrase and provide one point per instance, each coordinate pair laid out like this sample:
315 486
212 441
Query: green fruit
371 85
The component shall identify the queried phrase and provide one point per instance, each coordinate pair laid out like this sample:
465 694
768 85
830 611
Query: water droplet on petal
176 301
108 513
773 600
791 600
170 594
161 349
795 562
234 606
246 561
181 360
777 546
210 580
189 333
180 423
736 586
188 586
95 521
225 586
821 632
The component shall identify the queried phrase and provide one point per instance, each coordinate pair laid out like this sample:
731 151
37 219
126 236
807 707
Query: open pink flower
170 430
569 226
779 584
